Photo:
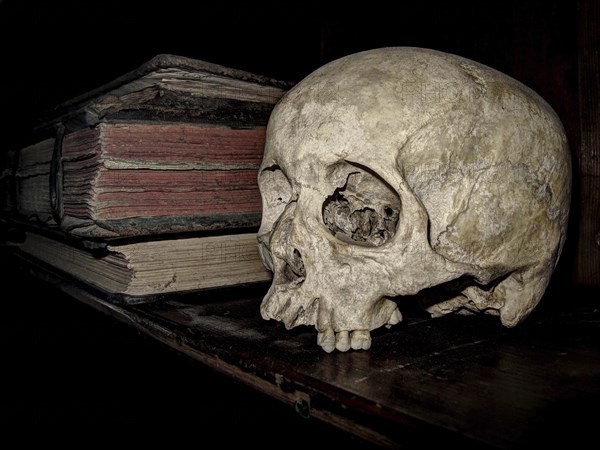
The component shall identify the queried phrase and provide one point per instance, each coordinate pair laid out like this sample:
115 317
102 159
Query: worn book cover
144 271
173 146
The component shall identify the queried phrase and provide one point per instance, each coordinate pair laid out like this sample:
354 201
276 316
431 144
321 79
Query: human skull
394 170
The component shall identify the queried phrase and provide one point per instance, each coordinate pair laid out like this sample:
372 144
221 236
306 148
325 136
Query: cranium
395 170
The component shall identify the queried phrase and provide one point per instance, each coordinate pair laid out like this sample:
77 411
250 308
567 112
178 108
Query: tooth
326 340
361 340
342 341
283 309
289 315
267 304
395 318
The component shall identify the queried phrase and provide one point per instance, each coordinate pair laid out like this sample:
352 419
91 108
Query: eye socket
276 193
364 211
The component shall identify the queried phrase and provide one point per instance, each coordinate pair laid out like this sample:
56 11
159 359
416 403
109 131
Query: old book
143 271
128 178
173 146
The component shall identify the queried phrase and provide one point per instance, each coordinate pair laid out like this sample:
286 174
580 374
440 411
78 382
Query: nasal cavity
294 271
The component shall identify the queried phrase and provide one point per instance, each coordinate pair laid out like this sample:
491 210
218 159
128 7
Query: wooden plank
456 380
587 184
462 380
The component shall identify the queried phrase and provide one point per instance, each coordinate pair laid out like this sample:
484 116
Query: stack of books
147 185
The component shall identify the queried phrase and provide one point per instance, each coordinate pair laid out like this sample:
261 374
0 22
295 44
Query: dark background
67 365
54 50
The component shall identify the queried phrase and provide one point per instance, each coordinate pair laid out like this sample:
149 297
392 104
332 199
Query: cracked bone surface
401 172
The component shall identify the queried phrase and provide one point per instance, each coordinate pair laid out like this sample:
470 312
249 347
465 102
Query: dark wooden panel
588 169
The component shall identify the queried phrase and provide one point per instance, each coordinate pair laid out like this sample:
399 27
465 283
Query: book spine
56 177
10 164
30 198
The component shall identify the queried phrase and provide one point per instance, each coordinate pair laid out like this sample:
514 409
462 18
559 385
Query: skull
403 172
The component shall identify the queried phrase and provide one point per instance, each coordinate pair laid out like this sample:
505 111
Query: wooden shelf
462 380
